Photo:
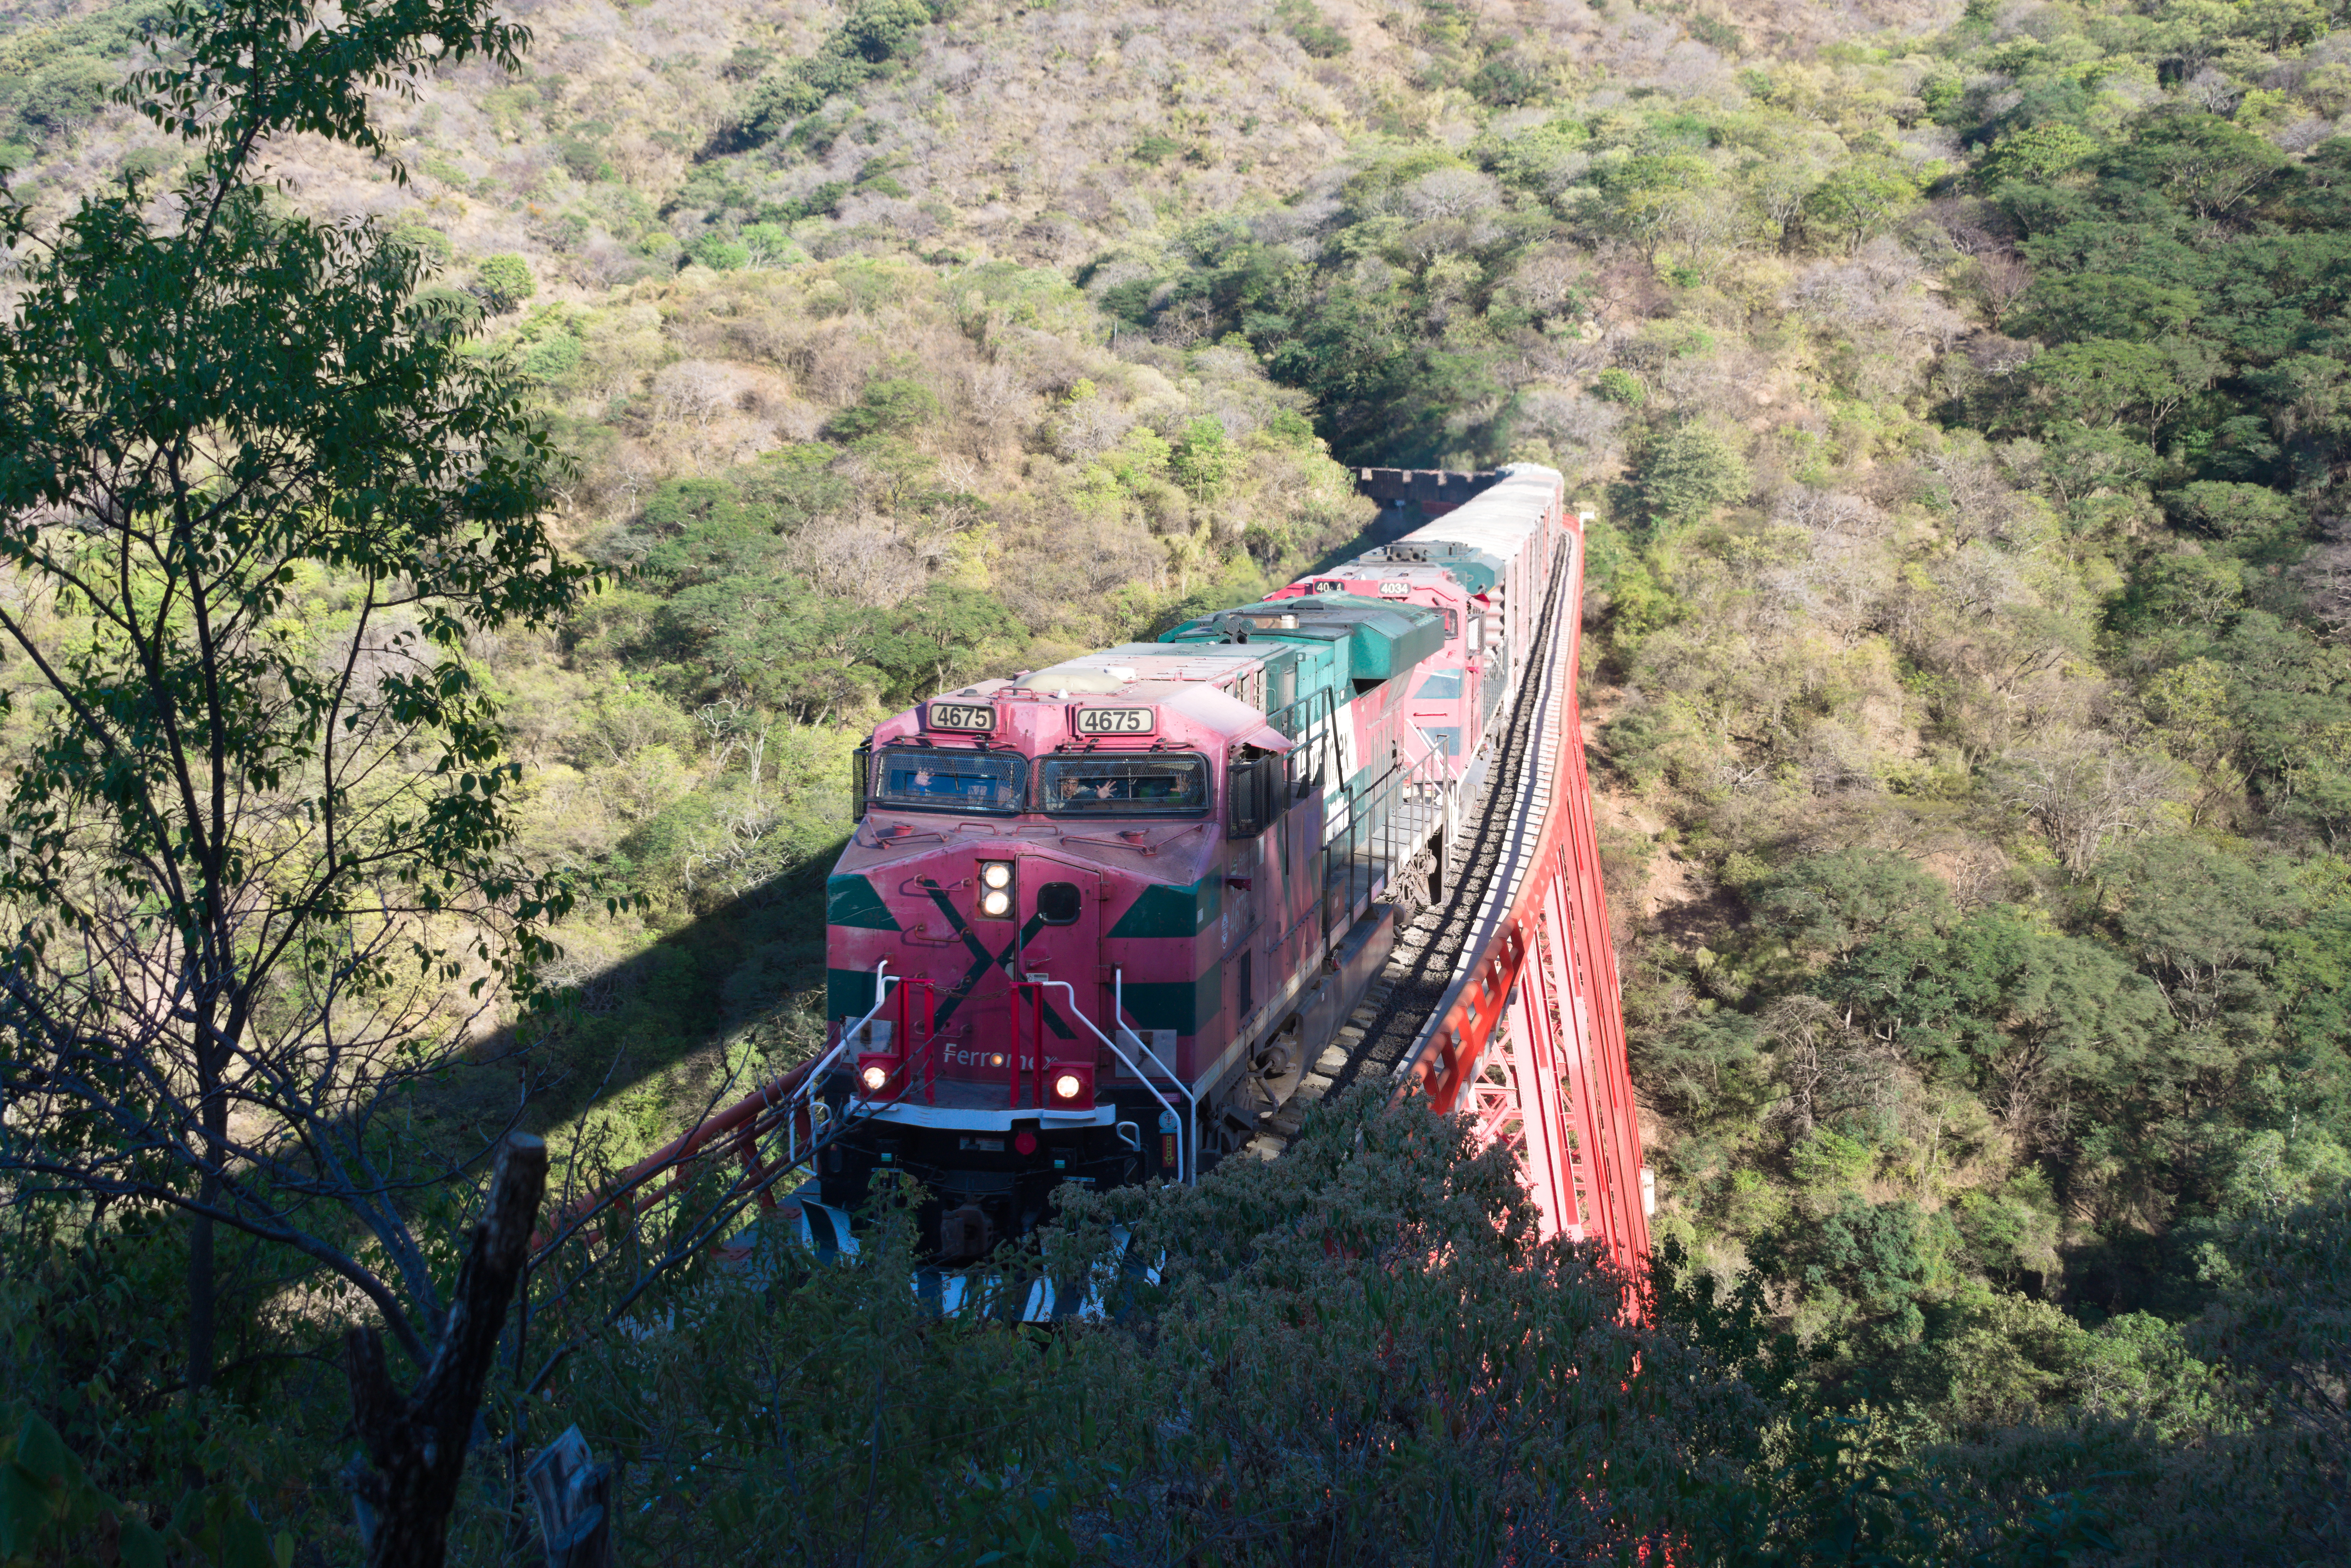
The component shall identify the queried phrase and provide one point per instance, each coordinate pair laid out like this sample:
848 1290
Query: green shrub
583 159
553 357
886 407
1290 428
1617 385
64 96
721 253
503 282
1689 471
1826 1159
1204 459
448 310
770 245
427 240
144 163
2239 514
1506 82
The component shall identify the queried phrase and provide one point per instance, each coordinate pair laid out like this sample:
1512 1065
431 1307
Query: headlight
995 890
1068 1086
875 1077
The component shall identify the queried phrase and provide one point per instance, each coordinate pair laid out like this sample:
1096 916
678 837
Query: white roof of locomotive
1499 517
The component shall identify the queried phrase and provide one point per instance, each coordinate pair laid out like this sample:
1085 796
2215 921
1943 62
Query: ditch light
879 1077
1071 1085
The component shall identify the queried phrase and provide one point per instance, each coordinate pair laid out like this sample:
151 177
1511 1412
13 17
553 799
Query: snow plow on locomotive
1096 921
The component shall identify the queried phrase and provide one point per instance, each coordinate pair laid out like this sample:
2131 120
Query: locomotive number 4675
1114 721
961 715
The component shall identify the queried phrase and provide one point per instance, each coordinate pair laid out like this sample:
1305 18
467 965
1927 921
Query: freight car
1096 920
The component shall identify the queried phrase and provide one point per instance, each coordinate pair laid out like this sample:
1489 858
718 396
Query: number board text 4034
967 716
1114 721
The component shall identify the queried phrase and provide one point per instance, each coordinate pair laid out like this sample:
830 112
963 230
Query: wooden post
417 1444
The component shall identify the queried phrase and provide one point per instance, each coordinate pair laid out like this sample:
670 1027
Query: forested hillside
1965 397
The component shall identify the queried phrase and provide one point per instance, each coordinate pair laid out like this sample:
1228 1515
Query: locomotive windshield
932 780
1124 786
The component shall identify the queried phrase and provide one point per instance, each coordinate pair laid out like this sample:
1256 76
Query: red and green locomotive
1096 919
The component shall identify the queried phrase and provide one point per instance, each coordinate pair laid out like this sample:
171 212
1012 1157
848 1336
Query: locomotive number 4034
1114 721
960 716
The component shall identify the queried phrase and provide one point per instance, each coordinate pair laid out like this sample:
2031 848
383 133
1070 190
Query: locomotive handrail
1183 1165
882 981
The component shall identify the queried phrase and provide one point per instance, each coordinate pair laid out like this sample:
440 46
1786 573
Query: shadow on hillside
649 1040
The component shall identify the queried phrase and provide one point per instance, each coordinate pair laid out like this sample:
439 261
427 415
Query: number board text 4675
1114 721
959 715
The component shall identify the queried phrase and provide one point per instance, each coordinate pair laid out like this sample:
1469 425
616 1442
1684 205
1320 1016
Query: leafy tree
1314 34
871 40
503 281
1637 199
1834 902
2037 154
63 97
1878 1256
2078 461
1859 202
2012 1008
2070 305
1204 459
2203 163
2310 978
886 406
2244 515
2104 382
250 869
582 158
2189 588
1704 1066
2186 907
2284 1321
719 253
1689 471
934 632
1617 385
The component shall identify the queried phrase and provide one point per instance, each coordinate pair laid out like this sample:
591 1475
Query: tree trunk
201 1293
204 1289
417 1444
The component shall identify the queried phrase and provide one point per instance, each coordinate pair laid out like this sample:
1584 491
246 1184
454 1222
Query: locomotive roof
1476 569
1381 637
1117 669
1495 522
1183 684
1446 577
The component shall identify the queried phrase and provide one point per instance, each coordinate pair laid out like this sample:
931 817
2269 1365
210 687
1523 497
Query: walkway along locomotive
1096 921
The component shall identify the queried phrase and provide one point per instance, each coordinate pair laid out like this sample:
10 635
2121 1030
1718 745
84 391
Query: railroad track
1432 940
